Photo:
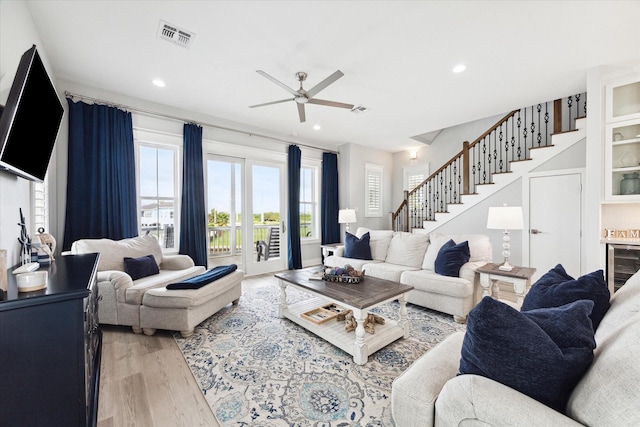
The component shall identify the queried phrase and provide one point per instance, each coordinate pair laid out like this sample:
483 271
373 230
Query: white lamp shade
505 218
346 216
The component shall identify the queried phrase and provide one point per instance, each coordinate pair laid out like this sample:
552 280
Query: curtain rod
181 119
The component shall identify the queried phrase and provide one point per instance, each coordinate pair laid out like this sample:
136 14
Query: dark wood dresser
50 346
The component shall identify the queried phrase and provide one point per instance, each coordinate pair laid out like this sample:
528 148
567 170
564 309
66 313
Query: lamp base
505 266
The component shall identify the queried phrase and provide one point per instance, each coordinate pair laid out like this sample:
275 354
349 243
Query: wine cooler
623 261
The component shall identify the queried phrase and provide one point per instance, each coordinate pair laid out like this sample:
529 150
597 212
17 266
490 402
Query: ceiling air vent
359 109
175 35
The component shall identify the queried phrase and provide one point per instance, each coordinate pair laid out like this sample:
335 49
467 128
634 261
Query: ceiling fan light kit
302 96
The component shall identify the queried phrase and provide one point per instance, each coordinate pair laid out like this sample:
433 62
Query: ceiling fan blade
303 117
323 84
330 103
271 103
278 82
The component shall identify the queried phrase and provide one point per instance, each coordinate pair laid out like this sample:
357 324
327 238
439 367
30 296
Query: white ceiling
397 58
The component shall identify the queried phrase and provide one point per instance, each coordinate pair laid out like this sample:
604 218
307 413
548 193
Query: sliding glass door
224 211
266 196
245 214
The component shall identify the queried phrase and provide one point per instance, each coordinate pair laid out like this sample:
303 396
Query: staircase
520 142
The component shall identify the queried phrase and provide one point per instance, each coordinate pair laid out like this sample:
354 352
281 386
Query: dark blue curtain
101 174
293 167
193 217
330 232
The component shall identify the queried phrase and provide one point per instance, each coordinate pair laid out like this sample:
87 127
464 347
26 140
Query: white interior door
555 222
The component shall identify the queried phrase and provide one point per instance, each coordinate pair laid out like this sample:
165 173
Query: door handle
535 231
284 227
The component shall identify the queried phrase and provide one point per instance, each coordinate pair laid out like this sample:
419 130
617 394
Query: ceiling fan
302 96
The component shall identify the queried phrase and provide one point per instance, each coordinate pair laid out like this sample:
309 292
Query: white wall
17 35
351 166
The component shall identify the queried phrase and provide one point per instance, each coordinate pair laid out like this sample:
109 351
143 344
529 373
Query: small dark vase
630 184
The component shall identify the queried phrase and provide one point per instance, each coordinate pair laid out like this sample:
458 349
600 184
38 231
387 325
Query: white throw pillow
407 249
436 240
378 241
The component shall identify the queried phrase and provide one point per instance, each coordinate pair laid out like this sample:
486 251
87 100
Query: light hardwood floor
145 381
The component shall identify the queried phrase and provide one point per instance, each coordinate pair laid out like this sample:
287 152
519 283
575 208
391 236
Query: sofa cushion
386 270
542 353
355 247
624 304
556 288
451 257
203 279
433 283
140 267
407 249
378 242
608 393
112 252
134 294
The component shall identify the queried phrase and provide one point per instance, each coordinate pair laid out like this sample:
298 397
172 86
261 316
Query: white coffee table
360 298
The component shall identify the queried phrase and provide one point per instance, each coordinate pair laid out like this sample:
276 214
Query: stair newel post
405 222
465 167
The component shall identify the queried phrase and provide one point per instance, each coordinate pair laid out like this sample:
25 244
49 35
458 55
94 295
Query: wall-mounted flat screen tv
30 120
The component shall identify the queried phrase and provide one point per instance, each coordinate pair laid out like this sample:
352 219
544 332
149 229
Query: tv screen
30 120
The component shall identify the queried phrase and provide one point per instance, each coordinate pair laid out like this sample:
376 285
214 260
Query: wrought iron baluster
569 105
484 157
546 124
519 145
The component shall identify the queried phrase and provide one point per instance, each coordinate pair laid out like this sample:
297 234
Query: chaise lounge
144 302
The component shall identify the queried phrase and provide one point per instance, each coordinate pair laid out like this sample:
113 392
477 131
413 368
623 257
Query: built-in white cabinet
622 140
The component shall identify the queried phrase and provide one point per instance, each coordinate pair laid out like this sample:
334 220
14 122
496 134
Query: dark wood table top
517 272
370 291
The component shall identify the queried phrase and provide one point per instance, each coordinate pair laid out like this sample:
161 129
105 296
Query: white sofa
145 303
430 392
409 258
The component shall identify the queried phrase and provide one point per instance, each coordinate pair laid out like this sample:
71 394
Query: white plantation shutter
373 190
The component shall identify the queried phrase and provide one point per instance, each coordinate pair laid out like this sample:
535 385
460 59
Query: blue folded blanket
199 281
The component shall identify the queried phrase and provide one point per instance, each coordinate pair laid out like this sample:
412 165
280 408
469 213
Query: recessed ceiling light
316 127
159 83
459 68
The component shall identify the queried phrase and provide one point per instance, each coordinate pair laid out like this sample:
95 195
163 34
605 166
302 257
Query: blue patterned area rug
256 369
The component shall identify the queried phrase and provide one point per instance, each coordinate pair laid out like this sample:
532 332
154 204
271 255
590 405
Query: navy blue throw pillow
205 278
542 353
357 248
451 257
141 267
556 288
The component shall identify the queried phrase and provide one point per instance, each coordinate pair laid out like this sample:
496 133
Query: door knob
535 231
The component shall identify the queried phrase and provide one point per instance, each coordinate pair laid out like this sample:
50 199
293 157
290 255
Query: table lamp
505 218
346 216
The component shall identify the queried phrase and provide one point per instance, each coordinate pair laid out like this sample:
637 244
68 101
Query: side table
329 249
519 277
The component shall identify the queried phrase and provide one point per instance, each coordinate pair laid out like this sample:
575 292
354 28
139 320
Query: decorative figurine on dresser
50 347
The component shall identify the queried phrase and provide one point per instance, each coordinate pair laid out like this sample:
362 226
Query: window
158 192
309 202
412 177
373 190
